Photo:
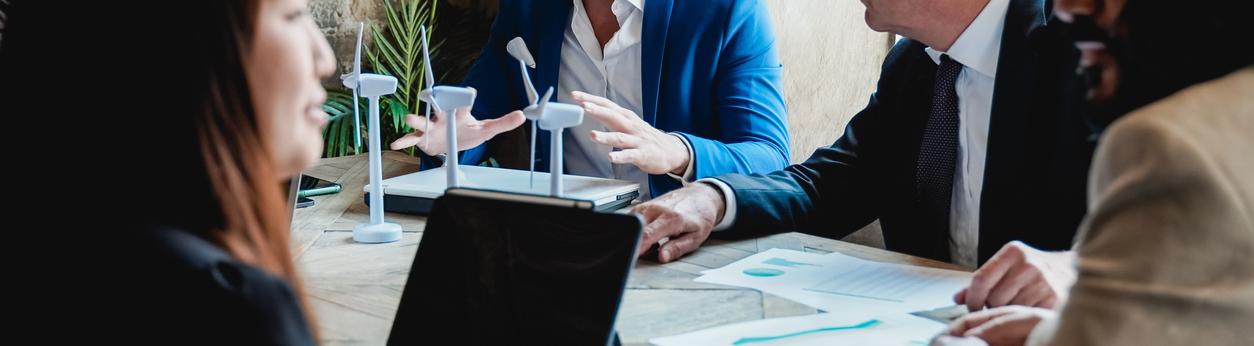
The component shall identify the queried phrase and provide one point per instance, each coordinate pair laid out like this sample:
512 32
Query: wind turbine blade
531 90
426 128
429 78
361 30
531 164
517 48
356 123
544 101
426 60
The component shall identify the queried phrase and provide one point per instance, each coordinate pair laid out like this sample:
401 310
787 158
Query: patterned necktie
938 153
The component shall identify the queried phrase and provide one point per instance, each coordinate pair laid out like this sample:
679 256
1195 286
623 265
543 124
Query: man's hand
685 217
1004 326
471 132
650 149
1020 275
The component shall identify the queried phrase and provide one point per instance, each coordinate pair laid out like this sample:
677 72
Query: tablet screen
505 271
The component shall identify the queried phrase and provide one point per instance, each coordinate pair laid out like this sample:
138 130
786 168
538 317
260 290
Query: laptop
498 268
416 192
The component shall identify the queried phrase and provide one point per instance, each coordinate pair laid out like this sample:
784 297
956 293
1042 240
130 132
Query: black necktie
938 153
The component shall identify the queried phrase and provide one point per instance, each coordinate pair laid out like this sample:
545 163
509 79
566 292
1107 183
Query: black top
173 287
1035 172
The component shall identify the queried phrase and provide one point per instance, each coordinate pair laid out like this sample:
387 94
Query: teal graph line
750 340
786 263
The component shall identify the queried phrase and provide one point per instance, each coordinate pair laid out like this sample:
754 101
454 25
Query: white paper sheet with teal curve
837 282
850 328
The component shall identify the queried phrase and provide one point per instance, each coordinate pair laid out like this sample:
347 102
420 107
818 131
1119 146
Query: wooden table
355 288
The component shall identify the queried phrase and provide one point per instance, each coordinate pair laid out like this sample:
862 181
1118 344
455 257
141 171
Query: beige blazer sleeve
1166 254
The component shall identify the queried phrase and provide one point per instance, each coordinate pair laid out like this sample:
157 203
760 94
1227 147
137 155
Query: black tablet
497 268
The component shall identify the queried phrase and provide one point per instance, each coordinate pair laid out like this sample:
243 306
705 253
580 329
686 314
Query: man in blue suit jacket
673 91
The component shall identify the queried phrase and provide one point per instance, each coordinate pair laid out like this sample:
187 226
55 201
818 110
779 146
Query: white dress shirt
977 49
613 73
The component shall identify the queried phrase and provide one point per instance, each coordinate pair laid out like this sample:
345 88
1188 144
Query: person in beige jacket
1166 254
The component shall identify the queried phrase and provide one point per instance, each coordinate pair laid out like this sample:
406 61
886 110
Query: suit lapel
547 32
550 28
1013 107
657 18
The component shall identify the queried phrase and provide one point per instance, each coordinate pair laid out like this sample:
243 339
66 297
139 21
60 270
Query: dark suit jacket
167 286
1034 178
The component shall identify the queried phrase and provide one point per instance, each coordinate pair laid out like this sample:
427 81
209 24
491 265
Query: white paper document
838 283
849 328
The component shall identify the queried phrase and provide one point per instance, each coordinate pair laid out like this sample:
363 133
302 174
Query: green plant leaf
395 50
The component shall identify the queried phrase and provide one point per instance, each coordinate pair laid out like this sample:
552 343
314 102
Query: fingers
1033 295
989 325
960 297
407 141
652 223
1012 284
1050 302
661 222
660 228
948 340
616 139
584 97
990 274
614 119
1008 329
678 247
493 127
972 320
416 122
629 156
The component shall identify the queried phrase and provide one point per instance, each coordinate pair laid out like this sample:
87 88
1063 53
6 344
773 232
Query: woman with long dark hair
216 105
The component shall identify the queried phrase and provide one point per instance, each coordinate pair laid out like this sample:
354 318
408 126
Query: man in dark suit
961 150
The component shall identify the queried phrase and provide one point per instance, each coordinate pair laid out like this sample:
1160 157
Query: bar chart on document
883 282
862 302
836 281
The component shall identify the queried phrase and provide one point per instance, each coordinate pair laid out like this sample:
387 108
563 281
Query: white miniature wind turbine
371 86
445 99
518 49
556 117
552 116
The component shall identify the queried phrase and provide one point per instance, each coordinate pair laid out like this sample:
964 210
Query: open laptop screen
498 268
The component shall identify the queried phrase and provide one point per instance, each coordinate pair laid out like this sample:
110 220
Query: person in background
672 90
192 248
1163 255
961 149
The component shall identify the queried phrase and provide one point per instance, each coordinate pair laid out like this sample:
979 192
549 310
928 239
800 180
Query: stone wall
459 21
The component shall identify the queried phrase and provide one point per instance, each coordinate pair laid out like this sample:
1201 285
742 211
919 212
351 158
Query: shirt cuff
729 203
684 180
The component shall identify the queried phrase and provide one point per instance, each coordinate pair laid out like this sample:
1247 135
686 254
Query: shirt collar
979 46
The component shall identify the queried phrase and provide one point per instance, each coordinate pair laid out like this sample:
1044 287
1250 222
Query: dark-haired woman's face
288 59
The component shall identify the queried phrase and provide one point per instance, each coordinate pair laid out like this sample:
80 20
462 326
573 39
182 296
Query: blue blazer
710 73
